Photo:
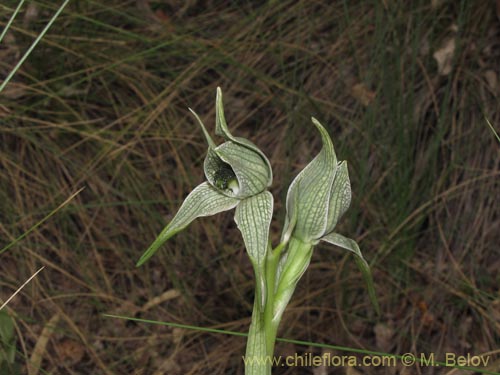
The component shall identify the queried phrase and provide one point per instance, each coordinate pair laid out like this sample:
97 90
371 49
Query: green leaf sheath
253 217
309 194
351 245
204 200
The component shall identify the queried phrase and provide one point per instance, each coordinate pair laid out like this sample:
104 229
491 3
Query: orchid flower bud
318 196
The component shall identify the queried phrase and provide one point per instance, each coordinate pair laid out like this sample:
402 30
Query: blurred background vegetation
404 89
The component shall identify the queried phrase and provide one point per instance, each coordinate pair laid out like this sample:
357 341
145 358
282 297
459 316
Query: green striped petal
250 170
204 200
340 197
253 217
351 245
308 197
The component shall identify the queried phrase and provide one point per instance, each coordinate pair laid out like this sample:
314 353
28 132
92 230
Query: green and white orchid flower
317 198
238 175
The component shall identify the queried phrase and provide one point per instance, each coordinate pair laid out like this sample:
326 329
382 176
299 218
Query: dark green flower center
223 177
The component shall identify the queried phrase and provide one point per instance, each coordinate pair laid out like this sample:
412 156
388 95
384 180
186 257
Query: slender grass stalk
493 130
20 288
307 344
7 27
33 45
51 213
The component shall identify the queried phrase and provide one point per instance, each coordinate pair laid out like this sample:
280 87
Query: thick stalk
270 326
256 360
264 326
299 256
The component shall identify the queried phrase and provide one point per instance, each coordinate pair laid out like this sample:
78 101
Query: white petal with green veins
351 245
253 217
204 200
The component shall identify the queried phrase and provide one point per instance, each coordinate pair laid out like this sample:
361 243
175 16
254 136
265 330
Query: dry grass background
101 104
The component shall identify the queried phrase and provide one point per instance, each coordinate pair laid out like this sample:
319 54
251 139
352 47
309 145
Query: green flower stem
296 263
264 326
262 333
270 324
256 362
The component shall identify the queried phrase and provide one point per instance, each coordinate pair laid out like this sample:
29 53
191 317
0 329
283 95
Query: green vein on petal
204 200
351 245
253 217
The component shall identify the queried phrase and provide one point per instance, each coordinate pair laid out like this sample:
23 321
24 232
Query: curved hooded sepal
222 130
351 245
204 200
253 217
308 197
220 174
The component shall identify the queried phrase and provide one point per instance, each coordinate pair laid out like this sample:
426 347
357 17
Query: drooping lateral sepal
351 245
253 218
204 200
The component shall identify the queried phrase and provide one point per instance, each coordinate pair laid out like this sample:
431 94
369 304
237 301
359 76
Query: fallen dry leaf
436 3
384 336
491 77
41 345
444 56
352 371
166 296
70 351
362 94
31 14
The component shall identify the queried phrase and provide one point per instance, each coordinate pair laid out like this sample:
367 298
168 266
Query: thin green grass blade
7 27
347 349
493 130
40 222
33 45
